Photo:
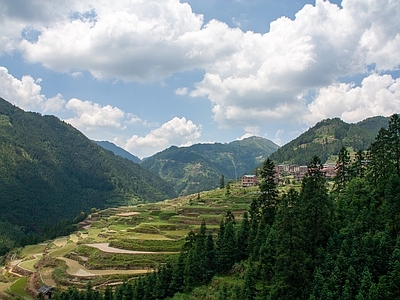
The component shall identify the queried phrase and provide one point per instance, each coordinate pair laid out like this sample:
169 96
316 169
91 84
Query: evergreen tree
228 190
222 182
190 279
290 280
394 275
315 210
108 293
357 168
342 169
366 282
268 190
243 237
178 275
267 256
249 286
210 260
227 251
394 141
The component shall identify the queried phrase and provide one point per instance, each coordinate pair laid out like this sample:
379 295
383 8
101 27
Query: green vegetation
50 173
326 139
311 243
312 240
199 167
18 289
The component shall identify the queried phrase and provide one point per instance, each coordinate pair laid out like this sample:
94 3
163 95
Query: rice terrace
119 244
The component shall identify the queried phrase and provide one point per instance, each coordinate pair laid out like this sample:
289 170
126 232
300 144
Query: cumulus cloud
266 78
178 131
377 95
248 77
91 116
26 93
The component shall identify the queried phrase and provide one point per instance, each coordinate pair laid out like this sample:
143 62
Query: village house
249 180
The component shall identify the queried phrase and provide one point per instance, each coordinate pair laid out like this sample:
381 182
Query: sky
149 74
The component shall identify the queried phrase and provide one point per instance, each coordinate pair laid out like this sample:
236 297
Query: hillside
49 171
327 137
118 151
200 167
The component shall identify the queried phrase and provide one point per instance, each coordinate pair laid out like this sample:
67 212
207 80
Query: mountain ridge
327 137
50 171
200 166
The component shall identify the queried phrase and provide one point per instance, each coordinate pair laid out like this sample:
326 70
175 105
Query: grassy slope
158 227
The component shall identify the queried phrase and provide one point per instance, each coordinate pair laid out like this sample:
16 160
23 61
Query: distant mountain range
49 171
118 151
200 167
327 137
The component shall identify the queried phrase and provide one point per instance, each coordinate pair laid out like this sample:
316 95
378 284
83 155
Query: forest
50 173
310 243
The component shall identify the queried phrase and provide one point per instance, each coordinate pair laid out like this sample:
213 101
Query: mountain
200 167
49 171
327 137
118 151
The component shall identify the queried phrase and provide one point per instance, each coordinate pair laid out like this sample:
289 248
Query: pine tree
108 293
190 279
249 286
222 182
268 191
366 282
228 190
342 169
394 275
315 210
394 141
357 168
290 279
243 237
178 275
227 251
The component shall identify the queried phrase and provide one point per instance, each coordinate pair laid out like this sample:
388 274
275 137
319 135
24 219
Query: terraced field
122 243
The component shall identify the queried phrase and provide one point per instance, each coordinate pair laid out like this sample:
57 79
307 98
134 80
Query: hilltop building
249 180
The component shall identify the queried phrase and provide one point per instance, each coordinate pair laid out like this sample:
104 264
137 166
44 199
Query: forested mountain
49 171
327 137
200 167
118 151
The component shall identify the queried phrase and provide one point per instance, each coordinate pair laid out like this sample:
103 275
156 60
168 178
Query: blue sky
150 74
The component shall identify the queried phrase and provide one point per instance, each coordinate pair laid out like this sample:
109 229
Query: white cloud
250 131
182 91
266 78
93 116
249 78
377 95
26 93
178 131
130 40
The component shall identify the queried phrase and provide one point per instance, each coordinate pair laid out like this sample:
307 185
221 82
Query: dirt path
76 269
106 248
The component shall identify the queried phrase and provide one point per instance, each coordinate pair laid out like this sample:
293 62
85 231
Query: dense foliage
50 173
304 244
327 137
198 168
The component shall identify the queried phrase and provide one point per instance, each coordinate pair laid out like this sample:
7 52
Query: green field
154 232
18 286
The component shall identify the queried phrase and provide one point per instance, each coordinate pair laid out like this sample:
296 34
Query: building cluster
298 172
294 172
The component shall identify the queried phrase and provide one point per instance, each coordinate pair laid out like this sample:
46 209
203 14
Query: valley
119 244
